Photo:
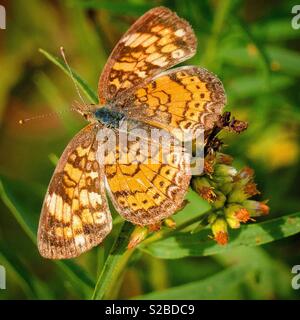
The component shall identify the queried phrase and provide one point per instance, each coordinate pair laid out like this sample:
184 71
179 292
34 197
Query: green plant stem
218 22
266 63
119 256
115 264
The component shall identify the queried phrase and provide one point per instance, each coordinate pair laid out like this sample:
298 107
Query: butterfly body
137 90
108 117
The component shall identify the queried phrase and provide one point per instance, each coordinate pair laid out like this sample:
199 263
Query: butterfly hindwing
155 42
75 216
148 179
185 98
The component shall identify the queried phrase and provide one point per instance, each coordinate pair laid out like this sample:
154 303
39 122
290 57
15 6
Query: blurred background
250 45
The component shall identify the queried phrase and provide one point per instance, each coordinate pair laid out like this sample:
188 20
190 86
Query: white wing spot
179 33
52 204
161 61
94 174
84 199
79 240
48 200
95 199
141 74
131 38
59 208
99 217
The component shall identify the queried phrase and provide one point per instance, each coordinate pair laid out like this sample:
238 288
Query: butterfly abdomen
109 117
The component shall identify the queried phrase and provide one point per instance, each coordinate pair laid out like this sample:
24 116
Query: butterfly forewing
75 216
155 42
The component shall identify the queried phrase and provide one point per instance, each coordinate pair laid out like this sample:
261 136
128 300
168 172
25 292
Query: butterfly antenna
62 52
41 116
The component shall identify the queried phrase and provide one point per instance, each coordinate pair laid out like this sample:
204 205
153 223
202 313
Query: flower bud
231 219
219 230
256 208
224 158
203 187
243 215
219 201
209 163
233 222
170 223
241 191
137 236
246 174
224 173
223 170
226 188
236 212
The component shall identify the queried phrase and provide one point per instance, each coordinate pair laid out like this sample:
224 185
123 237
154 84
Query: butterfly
136 86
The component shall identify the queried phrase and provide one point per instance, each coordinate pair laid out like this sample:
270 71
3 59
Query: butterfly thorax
108 117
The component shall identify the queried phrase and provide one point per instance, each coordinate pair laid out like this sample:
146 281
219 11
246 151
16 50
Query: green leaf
13 265
73 271
7 196
271 277
31 285
194 206
210 288
221 12
90 94
182 244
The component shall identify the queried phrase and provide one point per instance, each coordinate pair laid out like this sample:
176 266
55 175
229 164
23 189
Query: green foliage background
254 50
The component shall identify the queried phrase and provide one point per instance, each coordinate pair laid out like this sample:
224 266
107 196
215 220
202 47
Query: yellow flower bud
219 230
137 236
230 216
237 212
170 223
